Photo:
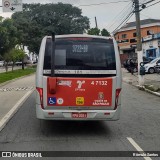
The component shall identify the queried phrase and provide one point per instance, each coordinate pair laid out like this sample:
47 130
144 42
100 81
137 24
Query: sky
109 13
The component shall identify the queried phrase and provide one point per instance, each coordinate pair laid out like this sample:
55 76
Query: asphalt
139 120
13 94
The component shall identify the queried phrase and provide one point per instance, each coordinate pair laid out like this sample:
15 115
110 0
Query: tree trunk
23 64
23 60
12 66
6 66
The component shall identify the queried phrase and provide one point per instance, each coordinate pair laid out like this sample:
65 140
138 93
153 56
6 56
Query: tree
104 32
94 31
16 55
13 56
38 20
8 35
8 39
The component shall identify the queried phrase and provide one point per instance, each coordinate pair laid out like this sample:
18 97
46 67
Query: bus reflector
107 113
50 113
40 91
117 97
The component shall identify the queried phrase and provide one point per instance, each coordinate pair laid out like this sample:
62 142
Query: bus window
81 55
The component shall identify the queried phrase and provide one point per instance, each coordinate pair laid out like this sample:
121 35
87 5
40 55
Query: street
80 68
139 121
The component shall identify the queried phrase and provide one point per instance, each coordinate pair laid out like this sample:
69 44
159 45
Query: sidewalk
13 95
151 81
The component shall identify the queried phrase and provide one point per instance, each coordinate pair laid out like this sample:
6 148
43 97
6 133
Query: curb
147 90
14 110
13 80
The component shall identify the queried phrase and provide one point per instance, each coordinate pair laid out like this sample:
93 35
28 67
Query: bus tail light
40 91
118 90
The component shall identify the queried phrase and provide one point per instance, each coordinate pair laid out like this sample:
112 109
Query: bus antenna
53 55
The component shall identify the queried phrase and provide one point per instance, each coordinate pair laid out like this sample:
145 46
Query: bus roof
80 35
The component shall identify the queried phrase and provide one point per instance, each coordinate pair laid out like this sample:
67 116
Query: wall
155 29
151 45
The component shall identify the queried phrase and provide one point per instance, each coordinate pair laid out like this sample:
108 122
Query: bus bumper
112 115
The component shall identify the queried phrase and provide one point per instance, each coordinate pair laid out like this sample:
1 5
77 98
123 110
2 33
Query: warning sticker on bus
79 100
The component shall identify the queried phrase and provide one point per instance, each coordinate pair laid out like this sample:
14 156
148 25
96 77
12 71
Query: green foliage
94 31
104 32
8 35
38 20
15 74
17 54
12 56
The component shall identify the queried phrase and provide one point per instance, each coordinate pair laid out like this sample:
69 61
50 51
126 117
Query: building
126 36
151 46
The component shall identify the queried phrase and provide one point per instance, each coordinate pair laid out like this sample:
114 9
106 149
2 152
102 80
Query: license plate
79 115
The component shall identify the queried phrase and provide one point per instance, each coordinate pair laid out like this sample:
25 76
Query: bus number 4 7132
100 83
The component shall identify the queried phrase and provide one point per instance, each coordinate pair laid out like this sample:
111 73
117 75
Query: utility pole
96 22
139 41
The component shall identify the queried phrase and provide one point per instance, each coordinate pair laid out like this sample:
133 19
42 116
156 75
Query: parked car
10 63
150 67
157 69
1 63
18 63
147 59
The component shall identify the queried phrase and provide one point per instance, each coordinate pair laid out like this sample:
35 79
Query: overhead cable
85 5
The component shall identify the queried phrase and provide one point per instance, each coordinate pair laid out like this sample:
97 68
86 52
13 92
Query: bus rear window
81 56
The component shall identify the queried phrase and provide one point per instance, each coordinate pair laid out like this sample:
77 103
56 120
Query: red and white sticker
60 101
7 4
64 83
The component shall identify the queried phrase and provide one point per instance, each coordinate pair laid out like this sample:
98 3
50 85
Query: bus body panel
80 102
110 115
91 93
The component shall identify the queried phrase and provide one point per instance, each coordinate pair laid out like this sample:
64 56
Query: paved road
12 92
140 120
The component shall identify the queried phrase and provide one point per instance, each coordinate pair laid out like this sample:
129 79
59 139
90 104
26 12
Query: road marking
16 89
14 109
137 147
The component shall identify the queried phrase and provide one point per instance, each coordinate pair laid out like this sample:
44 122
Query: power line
120 16
153 4
124 21
85 5
132 12
126 18
149 2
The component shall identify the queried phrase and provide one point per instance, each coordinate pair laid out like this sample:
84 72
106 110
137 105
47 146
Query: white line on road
137 147
15 108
